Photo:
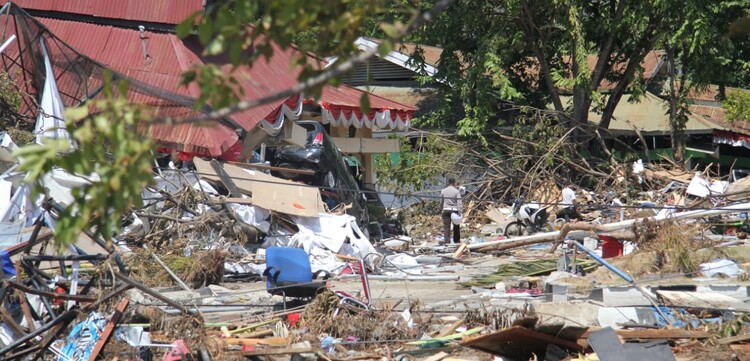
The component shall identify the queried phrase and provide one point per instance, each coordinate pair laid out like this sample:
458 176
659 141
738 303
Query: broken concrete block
577 314
615 317
619 296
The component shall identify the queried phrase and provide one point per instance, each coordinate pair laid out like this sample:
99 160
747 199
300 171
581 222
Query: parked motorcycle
530 218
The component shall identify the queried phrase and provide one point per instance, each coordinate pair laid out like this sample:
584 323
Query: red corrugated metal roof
168 57
155 11
349 97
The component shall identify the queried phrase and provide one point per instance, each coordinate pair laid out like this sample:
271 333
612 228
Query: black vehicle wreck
330 171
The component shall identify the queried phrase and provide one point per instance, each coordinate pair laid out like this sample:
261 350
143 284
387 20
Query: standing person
569 204
450 203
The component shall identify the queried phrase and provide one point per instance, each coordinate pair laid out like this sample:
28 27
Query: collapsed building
219 221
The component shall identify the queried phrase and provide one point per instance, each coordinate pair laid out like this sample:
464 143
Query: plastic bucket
611 247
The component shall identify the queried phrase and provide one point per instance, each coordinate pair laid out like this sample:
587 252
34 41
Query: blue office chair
288 274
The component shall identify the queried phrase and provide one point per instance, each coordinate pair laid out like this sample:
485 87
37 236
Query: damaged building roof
157 75
163 11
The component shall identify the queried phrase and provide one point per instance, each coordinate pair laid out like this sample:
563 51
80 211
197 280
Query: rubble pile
225 261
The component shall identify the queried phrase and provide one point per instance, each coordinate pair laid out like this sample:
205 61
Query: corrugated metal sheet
649 116
155 11
345 96
168 57
380 72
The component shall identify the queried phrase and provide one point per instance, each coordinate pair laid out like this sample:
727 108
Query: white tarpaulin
698 187
50 122
7 147
5 188
721 267
335 229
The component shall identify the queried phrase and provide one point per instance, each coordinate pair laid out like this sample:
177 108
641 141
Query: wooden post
24 302
109 328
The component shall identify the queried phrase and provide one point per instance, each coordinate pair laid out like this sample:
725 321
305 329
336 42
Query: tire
514 229
285 175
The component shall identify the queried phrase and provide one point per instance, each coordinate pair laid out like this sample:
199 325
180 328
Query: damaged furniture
347 299
288 274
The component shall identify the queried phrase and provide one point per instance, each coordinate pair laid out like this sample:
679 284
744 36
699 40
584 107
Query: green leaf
185 27
205 31
77 113
364 103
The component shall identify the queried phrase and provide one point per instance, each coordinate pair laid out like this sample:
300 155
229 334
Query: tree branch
316 81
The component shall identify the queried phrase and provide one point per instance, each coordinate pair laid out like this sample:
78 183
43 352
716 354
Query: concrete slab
615 317
619 296
575 313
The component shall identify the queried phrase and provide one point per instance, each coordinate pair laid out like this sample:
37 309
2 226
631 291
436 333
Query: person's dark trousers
446 216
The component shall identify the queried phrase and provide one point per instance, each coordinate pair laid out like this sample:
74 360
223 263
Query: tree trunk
673 120
534 33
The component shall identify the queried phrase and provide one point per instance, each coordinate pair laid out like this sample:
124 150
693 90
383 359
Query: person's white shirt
568 197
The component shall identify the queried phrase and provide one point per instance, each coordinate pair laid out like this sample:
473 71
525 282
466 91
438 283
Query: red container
611 247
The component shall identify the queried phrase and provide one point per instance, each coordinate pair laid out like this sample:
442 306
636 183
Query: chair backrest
293 264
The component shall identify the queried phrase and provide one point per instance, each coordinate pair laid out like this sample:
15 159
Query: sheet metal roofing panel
120 49
117 47
213 140
349 97
649 115
155 11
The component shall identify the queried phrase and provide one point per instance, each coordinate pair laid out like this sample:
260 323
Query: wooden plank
234 191
278 351
741 351
269 192
109 328
518 342
269 341
734 339
367 145
494 215
704 299
461 249
53 295
655 334
24 302
451 328
48 338
294 200
8 320
270 167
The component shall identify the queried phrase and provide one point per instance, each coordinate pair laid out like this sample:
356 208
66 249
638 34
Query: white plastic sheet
698 187
255 216
722 266
50 122
5 193
333 234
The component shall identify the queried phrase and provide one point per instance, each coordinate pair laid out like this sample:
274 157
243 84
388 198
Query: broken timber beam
279 351
152 293
234 191
658 334
610 227
270 167
734 339
53 295
109 328
23 301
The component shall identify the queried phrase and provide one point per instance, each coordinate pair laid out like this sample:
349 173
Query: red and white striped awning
341 107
